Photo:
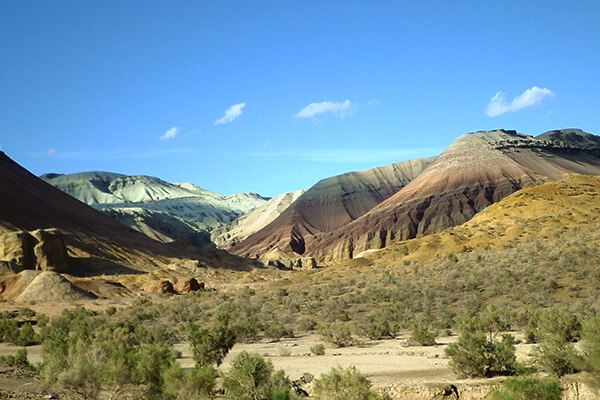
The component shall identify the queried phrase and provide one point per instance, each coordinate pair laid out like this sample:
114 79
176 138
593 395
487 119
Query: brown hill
543 211
478 169
96 242
330 204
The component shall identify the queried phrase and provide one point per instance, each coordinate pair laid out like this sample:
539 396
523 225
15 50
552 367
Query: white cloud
232 113
314 109
50 152
170 134
498 104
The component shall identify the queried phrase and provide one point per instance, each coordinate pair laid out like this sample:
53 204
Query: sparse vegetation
528 388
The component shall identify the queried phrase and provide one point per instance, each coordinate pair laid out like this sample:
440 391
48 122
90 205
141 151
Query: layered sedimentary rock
477 170
330 204
254 221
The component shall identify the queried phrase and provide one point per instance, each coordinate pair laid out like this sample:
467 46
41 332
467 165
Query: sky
269 97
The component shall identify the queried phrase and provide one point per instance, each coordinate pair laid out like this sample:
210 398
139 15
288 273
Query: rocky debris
42 249
160 286
188 285
293 263
50 286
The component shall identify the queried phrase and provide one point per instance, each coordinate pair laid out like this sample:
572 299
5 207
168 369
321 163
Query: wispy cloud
534 96
324 107
50 152
232 113
351 155
170 134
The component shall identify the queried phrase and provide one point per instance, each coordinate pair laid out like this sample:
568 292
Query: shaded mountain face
478 169
162 210
330 204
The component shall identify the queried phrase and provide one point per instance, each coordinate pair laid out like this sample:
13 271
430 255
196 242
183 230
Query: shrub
318 349
557 356
344 384
251 377
18 360
27 336
210 346
527 388
337 334
275 330
591 349
422 337
476 356
189 384
558 321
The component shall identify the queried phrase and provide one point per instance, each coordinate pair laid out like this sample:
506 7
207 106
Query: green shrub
210 346
318 349
591 349
422 337
251 377
557 356
275 330
344 384
27 336
189 384
18 360
476 356
558 321
528 388
337 334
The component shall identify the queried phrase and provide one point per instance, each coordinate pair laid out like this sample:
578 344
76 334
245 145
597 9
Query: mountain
543 211
96 243
255 220
330 204
162 210
478 169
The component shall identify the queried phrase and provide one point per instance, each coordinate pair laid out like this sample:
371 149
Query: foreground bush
475 355
189 384
528 388
210 346
251 377
557 356
591 349
344 384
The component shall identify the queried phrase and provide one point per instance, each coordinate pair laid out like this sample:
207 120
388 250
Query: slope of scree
331 203
478 169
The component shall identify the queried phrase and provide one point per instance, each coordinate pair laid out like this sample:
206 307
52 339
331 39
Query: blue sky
273 96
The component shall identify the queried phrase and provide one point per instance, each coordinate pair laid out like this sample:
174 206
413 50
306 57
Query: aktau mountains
144 228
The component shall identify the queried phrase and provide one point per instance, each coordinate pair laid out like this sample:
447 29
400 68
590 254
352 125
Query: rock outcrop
160 286
42 249
188 285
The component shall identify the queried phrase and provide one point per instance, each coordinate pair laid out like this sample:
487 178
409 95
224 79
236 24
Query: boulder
188 285
160 286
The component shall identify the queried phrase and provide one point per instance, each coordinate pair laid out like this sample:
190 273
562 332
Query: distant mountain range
162 210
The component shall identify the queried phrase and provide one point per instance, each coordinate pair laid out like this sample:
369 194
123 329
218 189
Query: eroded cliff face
478 169
330 204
